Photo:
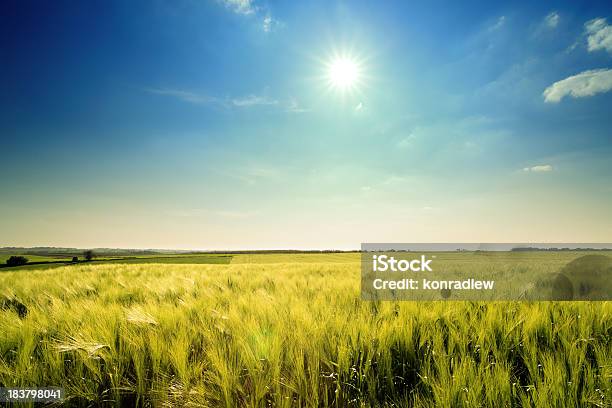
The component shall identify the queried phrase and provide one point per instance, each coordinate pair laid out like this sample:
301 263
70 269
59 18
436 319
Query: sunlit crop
289 333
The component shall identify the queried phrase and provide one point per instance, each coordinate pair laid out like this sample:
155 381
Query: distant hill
59 251
518 249
56 251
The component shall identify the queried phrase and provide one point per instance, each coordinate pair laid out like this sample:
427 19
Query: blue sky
212 124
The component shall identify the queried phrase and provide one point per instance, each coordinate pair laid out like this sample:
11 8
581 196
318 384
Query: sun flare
343 73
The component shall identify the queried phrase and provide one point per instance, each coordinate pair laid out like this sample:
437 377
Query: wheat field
289 331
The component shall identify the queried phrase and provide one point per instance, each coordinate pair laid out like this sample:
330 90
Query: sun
343 73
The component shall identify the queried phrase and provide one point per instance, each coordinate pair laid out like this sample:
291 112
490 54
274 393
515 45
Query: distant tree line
558 249
16 260
275 251
88 255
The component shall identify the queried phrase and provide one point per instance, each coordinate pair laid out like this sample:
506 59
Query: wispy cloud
248 8
540 168
406 142
499 23
270 24
253 100
208 213
547 26
252 175
246 101
599 35
183 95
236 214
293 106
587 83
552 20
394 180
240 6
261 172
267 23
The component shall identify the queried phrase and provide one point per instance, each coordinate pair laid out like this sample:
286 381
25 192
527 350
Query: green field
35 258
289 330
36 262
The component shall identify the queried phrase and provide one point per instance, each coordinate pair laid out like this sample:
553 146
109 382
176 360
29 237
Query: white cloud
240 6
587 83
552 20
248 7
186 96
541 168
599 35
267 23
253 100
359 107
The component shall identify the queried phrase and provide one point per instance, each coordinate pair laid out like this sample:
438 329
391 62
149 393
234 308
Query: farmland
57 260
289 330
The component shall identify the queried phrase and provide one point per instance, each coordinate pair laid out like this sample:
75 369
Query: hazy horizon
434 246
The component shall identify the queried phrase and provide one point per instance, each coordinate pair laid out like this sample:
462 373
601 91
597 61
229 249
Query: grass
176 259
289 330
